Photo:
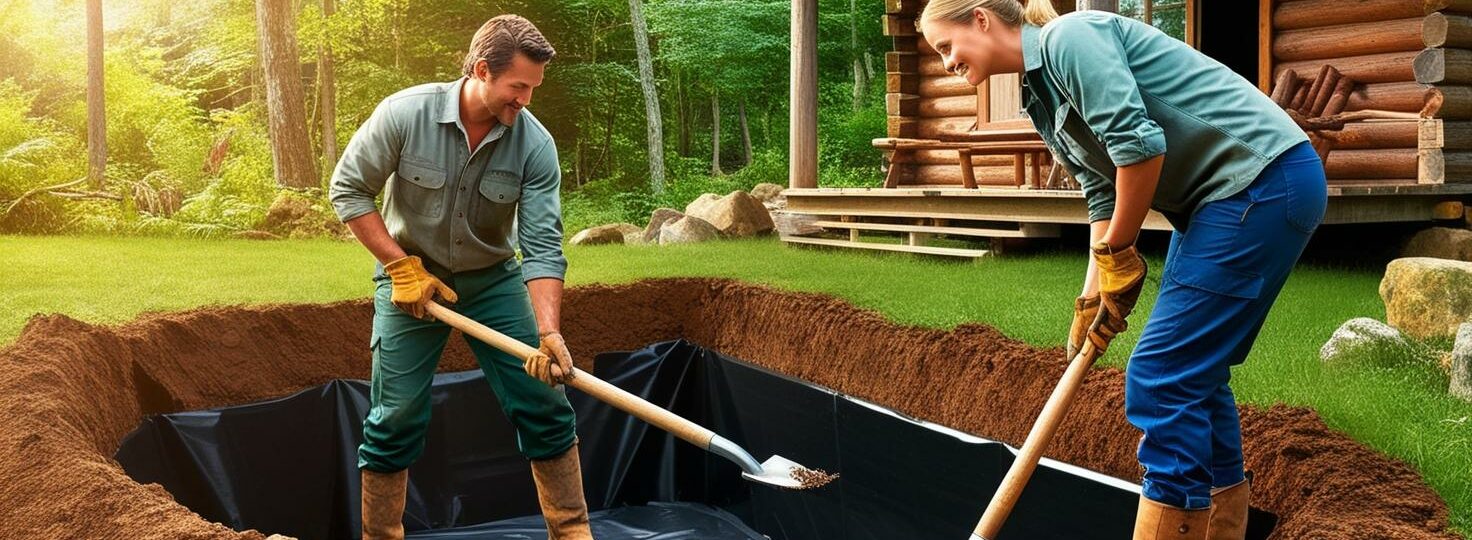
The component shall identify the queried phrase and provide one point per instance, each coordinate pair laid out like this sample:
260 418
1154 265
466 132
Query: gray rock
1362 335
1440 243
657 219
766 192
1427 297
1461 372
612 233
687 230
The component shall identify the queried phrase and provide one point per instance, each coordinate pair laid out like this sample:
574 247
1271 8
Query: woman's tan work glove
1121 278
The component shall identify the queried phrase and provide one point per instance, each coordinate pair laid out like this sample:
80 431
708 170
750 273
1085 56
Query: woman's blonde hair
1011 12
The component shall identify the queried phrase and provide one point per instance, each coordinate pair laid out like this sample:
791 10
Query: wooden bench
1001 144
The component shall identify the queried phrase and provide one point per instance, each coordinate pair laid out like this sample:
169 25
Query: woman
1143 121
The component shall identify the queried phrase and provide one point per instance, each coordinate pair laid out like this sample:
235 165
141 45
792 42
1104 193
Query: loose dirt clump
71 391
812 478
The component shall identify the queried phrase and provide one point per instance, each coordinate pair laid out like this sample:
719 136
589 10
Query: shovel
1032 449
775 471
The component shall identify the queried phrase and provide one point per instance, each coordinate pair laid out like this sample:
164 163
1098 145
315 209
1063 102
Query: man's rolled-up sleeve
370 157
539 216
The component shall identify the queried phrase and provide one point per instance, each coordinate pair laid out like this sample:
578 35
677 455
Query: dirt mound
73 390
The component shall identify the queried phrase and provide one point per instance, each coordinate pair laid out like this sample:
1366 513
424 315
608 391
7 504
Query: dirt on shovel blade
812 478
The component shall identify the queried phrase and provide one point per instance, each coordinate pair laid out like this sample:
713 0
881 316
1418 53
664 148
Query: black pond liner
289 465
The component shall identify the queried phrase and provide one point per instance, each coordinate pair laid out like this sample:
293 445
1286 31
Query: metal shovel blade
777 471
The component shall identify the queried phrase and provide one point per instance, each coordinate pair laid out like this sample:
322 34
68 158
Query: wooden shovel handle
663 419
1037 440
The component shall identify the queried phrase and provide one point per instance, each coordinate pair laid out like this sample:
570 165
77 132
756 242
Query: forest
188 90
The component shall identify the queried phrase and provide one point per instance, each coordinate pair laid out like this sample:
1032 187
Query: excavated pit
72 391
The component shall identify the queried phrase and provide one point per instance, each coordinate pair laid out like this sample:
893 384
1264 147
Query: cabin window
1167 15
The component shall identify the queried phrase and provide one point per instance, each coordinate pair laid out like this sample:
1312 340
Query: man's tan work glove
1121 278
554 365
414 286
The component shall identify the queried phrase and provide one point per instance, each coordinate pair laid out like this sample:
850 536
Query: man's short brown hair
500 38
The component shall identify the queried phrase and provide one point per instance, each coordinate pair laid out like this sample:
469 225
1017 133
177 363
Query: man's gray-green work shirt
1106 91
455 207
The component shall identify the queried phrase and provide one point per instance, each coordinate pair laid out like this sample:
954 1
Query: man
458 164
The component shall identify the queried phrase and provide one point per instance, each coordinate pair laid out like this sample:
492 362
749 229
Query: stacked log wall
1445 66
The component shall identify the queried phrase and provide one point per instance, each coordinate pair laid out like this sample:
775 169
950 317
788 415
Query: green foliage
183 80
845 136
239 197
151 125
719 39
34 153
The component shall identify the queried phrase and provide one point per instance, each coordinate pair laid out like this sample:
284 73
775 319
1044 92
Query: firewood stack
1315 105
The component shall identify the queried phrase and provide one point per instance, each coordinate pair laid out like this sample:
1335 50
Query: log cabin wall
924 101
1407 55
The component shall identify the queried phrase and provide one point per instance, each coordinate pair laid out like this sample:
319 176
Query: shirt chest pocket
421 187
499 192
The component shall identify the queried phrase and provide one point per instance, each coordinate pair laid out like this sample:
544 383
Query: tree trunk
165 14
612 117
861 83
715 135
327 95
96 112
682 108
802 92
745 133
653 122
285 102
767 126
1101 5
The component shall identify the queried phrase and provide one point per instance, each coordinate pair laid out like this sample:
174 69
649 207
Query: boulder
702 203
1361 337
612 233
736 215
634 238
286 212
301 215
1461 371
792 223
687 230
1440 243
657 220
1426 297
766 192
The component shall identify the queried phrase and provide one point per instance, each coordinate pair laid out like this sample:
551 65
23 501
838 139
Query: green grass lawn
1399 407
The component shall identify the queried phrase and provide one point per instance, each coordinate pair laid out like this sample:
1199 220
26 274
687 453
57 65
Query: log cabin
962 161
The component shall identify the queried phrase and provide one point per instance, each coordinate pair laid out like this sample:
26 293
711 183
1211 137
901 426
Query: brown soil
71 391
812 478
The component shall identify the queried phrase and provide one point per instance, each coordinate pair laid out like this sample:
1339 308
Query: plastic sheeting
289 465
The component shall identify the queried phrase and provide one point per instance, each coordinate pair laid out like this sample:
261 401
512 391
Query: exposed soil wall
71 391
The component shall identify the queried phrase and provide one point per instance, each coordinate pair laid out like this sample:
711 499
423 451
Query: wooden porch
917 216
